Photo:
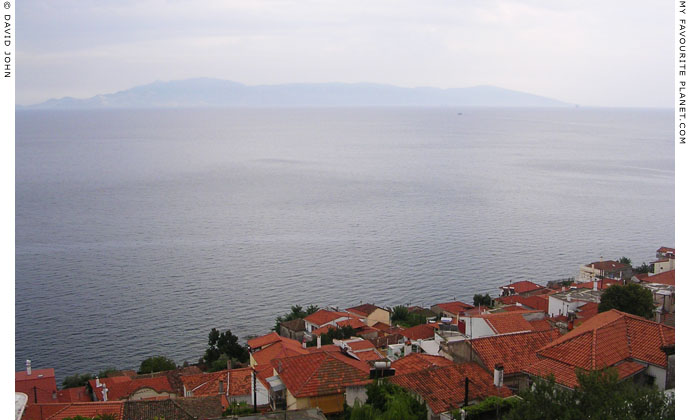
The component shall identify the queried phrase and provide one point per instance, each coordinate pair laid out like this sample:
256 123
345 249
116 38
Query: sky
586 52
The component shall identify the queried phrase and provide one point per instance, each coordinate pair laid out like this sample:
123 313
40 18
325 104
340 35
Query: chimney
570 325
98 382
304 344
105 394
594 285
408 348
498 375
318 342
28 367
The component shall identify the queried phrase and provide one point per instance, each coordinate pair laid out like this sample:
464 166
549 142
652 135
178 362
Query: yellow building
371 313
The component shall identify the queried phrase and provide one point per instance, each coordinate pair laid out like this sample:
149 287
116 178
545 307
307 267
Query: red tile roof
323 317
587 311
418 361
609 338
541 325
263 340
443 388
319 374
76 394
381 326
601 284
364 310
514 351
90 409
327 347
668 277
523 286
609 265
121 387
235 382
360 345
565 374
283 348
42 379
352 322
420 332
456 307
369 355
42 411
665 249
507 322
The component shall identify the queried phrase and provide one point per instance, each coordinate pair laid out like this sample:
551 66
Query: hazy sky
590 52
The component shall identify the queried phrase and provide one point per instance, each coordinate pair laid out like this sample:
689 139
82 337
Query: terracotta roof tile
507 322
323 316
609 338
76 394
283 348
364 310
369 355
381 326
121 387
443 388
523 286
668 277
420 332
90 409
456 307
418 361
541 325
665 249
263 340
360 345
322 373
609 265
352 322
42 411
235 382
514 351
190 408
565 374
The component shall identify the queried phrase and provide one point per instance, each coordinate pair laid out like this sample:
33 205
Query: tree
107 372
631 298
400 313
220 344
643 268
76 380
625 260
156 364
482 300
599 395
296 312
386 401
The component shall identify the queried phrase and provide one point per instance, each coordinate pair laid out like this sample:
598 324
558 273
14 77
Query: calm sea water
139 231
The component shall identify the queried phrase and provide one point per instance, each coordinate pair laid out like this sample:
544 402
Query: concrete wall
659 375
355 393
379 315
562 307
476 327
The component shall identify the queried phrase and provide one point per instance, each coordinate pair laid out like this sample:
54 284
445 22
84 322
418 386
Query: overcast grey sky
590 52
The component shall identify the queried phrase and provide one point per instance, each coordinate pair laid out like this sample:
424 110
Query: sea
137 231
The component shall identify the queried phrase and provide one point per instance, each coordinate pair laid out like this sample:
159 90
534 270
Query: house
295 329
665 252
360 349
260 343
174 409
521 288
451 309
324 317
663 288
539 302
663 265
420 332
442 388
326 380
361 329
126 388
38 384
605 269
371 313
569 300
489 324
635 347
513 351
281 348
234 385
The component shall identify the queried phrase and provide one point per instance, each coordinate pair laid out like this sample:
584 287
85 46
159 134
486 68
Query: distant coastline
207 92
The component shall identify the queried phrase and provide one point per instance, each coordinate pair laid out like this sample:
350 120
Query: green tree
334 333
156 364
220 344
625 260
386 401
599 395
76 380
399 314
107 372
483 300
643 268
631 298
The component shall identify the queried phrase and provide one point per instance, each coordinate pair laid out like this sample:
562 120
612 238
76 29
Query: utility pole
254 377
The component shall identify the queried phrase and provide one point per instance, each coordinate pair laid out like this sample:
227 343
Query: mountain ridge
210 92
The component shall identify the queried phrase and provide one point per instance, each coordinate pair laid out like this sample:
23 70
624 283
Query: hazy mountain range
205 92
